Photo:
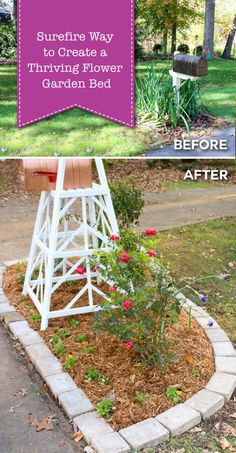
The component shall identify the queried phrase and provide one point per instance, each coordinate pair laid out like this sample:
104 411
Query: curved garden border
150 432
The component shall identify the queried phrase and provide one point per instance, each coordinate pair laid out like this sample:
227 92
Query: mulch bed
189 374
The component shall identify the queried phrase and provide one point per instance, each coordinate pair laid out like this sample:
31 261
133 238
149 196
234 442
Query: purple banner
75 54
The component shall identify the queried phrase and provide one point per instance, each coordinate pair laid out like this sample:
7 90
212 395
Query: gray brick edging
150 432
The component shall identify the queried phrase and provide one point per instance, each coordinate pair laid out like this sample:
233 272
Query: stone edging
150 432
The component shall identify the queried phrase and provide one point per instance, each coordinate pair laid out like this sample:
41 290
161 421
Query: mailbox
37 175
190 65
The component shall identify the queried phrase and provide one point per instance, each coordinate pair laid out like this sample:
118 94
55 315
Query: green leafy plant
81 338
144 297
128 201
156 99
60 349
36 317
92 374
140 397
21 279
8 41
74 323
69 363
196 373
55 339
173 394
87 350
63 333
105 407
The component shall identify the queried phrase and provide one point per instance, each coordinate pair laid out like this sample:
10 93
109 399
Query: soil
188 374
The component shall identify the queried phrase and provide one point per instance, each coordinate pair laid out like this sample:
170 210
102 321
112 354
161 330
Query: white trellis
62 241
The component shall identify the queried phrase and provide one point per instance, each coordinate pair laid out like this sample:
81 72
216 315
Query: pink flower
127 304
114 237
150 232
151 253
95 269
113 289
129 346
80 270
124 257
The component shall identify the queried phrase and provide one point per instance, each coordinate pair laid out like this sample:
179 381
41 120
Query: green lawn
76 131
197 251
201 250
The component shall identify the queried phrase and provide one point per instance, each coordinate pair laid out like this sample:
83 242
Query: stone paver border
150 432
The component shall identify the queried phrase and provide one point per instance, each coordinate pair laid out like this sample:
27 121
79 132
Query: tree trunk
230 41
15 9
173 39
165 42
209 29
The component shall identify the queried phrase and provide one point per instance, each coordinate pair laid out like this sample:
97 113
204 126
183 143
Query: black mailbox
190 65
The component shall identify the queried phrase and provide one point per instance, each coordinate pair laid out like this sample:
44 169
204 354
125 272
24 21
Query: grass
75 132
195 251
201 250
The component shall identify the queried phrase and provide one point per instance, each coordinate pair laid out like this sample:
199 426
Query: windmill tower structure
75 218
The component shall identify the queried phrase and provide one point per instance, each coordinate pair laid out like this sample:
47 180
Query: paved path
162 211
226 134
17 376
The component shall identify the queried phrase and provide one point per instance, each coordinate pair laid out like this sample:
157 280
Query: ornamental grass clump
142 302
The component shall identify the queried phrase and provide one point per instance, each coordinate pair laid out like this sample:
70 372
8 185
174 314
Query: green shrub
81 338
60 349
7 40
144 297
92 374
69 363
157 48
127 200
156 99
184 48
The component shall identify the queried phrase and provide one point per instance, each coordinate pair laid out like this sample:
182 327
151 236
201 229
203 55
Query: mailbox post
62 245
187 67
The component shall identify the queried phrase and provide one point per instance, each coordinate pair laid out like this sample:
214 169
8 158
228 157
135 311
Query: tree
167 16
230 40
209 28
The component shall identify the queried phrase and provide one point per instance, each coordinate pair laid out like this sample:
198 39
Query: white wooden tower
64 241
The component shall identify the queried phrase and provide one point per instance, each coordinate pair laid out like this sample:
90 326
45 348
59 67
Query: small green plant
36 317
60 349
72 283
140 397
28 307
63 333
105 407
87 350
69 363
55 339
92 374
81 338
74 323
196 373
173 394
21 279
18 267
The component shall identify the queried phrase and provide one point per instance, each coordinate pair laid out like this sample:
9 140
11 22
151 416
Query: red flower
113 289
127 304
80 270
129 346
114 237
95 269
124 257
151 253
150 232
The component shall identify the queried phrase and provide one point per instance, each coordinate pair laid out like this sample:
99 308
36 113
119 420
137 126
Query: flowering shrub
142 299
128 201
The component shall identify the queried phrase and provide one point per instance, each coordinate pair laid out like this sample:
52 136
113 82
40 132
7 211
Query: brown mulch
191 371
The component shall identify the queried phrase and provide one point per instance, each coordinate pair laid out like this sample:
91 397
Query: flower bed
103 367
